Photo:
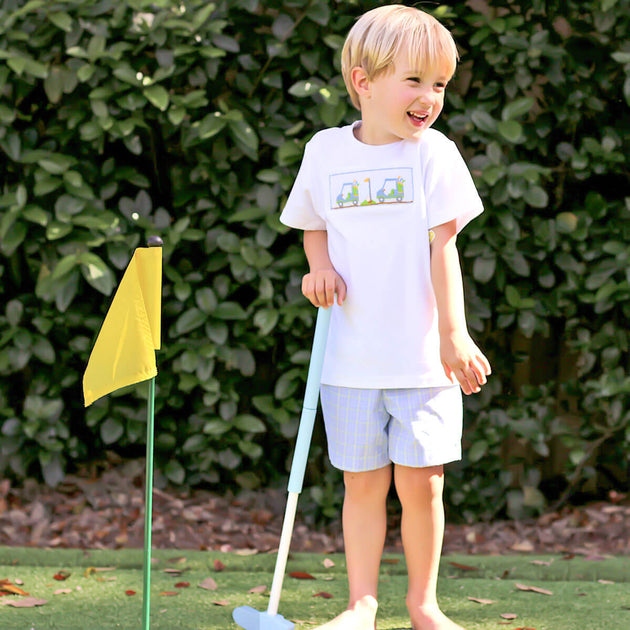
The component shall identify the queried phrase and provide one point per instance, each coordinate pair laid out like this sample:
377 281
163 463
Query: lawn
573 593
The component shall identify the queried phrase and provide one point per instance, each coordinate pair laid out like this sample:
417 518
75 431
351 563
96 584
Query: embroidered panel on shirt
371 188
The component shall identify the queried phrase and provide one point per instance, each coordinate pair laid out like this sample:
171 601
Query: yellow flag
124 351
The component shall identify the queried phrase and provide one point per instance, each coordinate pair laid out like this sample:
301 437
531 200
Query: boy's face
402 103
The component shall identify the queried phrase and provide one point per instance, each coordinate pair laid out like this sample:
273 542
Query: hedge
121 119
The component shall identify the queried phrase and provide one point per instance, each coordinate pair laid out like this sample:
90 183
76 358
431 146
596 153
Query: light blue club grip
311 398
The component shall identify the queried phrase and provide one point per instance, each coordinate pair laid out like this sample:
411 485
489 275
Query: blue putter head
251 619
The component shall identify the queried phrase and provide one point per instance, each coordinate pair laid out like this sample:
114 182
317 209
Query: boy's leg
422 530
364 529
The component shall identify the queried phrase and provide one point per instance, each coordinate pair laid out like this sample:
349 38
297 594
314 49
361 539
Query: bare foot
361 616
431 618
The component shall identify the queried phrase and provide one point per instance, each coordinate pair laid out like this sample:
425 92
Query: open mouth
418 119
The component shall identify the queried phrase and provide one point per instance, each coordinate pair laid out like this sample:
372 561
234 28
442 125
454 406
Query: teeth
417 116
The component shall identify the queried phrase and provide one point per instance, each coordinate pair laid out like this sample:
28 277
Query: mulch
107 511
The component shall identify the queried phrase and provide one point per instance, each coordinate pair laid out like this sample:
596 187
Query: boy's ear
360 81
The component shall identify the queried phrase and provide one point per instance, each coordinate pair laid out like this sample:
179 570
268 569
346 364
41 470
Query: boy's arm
322 282
461 358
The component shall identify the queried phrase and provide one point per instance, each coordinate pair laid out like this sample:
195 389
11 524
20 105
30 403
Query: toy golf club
246 616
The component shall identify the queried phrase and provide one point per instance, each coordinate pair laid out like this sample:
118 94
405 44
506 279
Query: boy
381 202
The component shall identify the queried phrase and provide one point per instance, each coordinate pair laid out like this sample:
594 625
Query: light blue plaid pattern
369 428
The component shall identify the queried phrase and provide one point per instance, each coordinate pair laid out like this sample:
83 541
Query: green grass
579 600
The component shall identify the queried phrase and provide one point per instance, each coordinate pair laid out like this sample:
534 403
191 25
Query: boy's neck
371 135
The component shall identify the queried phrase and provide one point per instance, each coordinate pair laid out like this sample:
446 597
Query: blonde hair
380 34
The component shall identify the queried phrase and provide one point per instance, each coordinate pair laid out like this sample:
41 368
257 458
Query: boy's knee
419 483
368 484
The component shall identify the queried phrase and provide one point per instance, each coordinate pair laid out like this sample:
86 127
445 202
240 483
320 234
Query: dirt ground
106 511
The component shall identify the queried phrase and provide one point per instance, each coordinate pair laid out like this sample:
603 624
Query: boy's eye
415 79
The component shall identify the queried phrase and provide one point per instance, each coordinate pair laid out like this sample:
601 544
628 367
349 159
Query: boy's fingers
341 292
324 293
465 384
481 369
479 374
486 365
330 293
449 373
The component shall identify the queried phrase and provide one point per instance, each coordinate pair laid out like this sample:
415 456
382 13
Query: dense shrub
125 118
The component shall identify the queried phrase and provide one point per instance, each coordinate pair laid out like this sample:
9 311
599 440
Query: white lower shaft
283 553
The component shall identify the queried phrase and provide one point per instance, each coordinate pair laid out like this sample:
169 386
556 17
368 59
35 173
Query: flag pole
153 241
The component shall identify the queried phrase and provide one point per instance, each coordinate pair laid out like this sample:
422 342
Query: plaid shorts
369 428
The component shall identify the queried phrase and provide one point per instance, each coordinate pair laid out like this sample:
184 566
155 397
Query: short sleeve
449 187
299 211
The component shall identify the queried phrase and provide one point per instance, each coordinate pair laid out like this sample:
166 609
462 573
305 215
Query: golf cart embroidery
371 188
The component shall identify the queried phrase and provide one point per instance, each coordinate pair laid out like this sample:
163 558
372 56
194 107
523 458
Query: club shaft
283 553
311 398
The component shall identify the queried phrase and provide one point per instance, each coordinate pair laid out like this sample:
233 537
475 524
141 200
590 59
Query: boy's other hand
463 361
320 287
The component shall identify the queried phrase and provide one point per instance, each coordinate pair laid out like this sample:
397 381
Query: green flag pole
148 510
153 241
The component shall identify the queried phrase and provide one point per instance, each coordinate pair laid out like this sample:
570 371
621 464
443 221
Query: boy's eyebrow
442 78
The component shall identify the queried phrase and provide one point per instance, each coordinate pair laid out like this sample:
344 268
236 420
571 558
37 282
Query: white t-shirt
378 203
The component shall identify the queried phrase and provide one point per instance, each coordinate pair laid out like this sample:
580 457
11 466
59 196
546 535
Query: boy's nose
426 99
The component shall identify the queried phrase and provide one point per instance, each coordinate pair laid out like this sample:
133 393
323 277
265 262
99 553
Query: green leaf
97 273
53 84
251 449
211 125
249 424
510 130
22 64
245 137
175 472
216 427
566 222
229 310
61 20
44 351
527 323
266 320
484 121
13 238
52 467
319 12
66 290
517 108
158 96
484 268
282 26
12 146
536 196
206 299
189 321
7 115
56 230
478 450
287 384
512 296
111 430
56 163
194 444
14 311
202 15
306 87
229 459
217 332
